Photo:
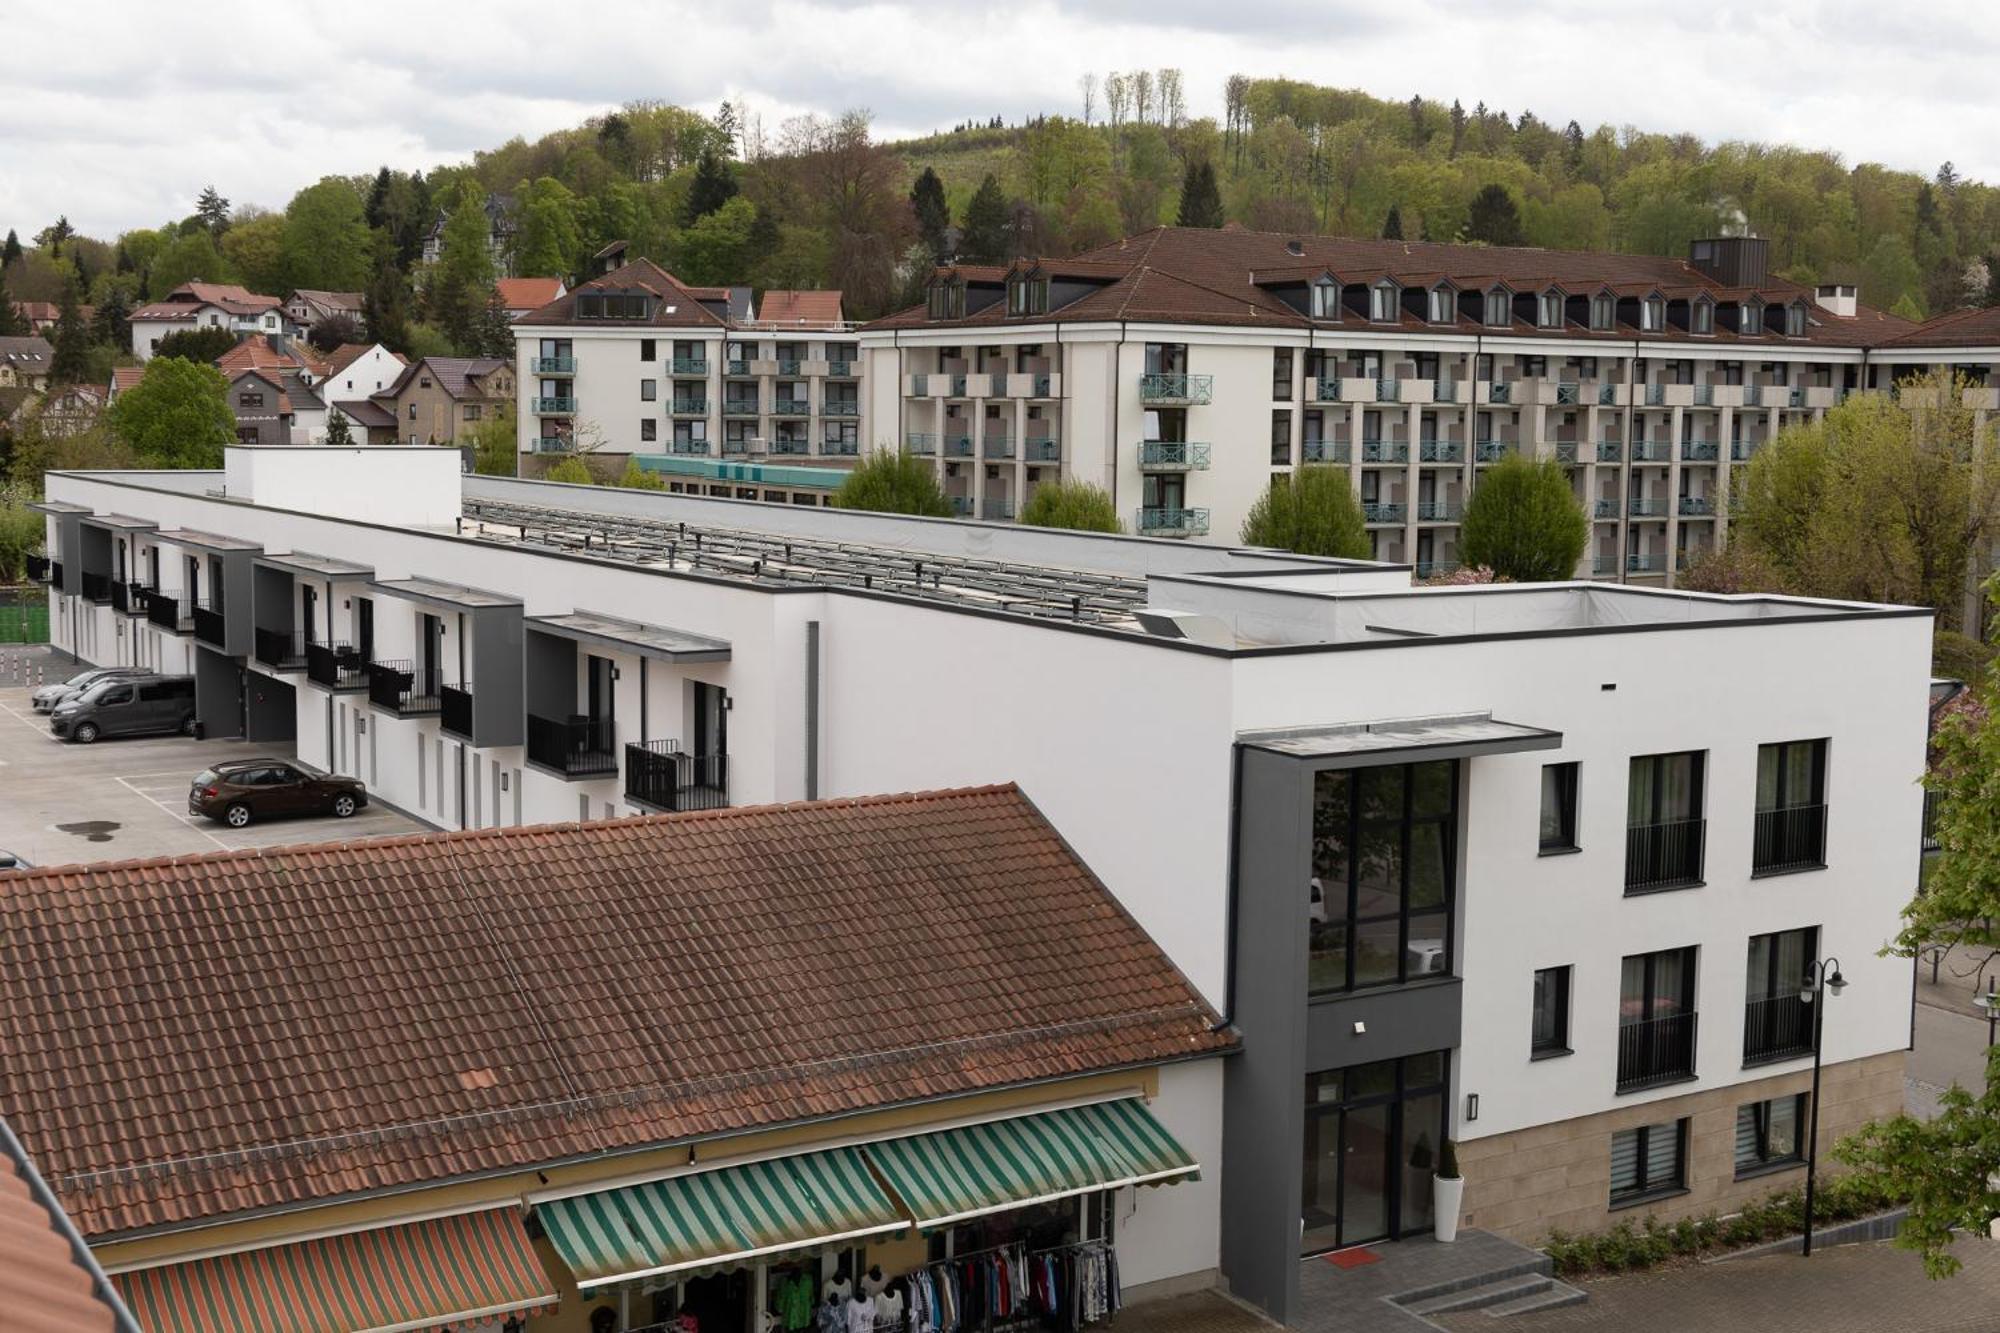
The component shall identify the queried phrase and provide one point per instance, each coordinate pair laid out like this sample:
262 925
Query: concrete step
1554 1297
1497 1291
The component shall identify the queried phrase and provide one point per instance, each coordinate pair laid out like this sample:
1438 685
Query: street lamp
1822 977
1991 1004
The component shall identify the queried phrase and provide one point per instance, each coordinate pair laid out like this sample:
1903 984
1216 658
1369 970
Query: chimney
1838 298
1733 261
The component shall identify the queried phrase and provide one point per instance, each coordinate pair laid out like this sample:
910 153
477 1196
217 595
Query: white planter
1445 1198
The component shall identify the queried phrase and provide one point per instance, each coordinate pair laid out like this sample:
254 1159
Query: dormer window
1442 307
1326 299
947 300
1653 314
1028 296
1498 309
1750 317
1382 302
1795 320
1551 310
1701 315
1603 311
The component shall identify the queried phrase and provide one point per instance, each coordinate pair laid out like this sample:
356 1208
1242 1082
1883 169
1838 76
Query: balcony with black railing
281 649
1656 1051
96 587
455 711
129 598
55 573
38 567
1789 840
1664 856
338 666
170 612
209 625
662 776
574 747
403 688
1776 1027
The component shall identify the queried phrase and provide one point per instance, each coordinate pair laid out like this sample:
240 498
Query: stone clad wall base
1558 1176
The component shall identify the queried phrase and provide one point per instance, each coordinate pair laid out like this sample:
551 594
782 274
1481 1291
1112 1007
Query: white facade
1124 739
147 331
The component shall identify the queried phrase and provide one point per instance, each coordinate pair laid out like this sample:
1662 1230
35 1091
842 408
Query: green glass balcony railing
1190 389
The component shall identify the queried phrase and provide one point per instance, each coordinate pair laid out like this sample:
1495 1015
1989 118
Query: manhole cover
91 830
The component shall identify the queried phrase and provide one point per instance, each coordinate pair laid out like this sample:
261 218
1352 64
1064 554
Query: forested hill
722 198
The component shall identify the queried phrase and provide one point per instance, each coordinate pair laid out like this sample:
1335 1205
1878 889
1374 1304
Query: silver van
134 706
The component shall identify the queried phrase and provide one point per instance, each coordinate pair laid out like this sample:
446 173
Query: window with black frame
1777 1023
1767 1135
1550 1031
1648 1162
1791 808
1664 828
1656 1019
1383 871
1373 1134
1558 823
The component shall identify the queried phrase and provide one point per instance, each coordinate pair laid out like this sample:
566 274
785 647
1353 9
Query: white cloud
132 106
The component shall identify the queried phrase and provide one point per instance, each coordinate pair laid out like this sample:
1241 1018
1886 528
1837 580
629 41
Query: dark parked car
127 706
247 789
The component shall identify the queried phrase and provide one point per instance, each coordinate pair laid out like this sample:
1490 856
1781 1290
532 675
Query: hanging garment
889 1310
860 1314
832 1317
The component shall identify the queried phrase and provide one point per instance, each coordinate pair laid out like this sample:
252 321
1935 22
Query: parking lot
121 799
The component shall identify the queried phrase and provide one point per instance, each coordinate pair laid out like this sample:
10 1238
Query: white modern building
1184 370
198 305
1537 868
636 363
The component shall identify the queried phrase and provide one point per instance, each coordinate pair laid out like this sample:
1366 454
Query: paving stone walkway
1852 1289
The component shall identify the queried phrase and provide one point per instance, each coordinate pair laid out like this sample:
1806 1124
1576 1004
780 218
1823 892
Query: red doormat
1354 1258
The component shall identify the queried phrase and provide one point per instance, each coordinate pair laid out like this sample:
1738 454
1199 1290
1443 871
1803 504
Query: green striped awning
952 1174
726 1215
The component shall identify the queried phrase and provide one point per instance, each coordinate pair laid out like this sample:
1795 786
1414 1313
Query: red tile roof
800 307
46 1286
528 293
183 299
1960 328
257 352
188 1039
124 377
1198 275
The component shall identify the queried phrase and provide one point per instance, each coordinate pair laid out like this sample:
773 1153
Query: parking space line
39 728
176 814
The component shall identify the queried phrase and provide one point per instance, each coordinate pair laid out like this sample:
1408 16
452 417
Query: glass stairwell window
1382 891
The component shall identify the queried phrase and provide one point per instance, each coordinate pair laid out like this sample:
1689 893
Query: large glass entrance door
1372 1137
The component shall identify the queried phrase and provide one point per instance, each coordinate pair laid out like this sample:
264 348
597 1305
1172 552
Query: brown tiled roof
453 374
1960 328
367 414
350 301
678 306
186 1039
528 293
258 352
177 303
30 352
347 354
800 307
1211 277
46 1285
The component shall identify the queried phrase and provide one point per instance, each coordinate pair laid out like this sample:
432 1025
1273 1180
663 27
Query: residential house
262 408
275 352
499 234
195 305
354 374
71 410
43 315
25 362
440 396
800 309
521 295
304 308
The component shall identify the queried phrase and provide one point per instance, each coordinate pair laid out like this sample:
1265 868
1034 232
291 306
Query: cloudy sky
119 111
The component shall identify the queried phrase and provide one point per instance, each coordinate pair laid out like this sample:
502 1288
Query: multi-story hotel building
1183 370
1349 810
635 362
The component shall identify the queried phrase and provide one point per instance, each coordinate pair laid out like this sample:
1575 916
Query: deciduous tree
1312 512
326 243
204 344
1071 504
1524 523
893 483
176 416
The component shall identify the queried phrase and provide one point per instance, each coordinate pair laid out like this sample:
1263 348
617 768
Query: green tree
176 416
255 250
636 478
1312 512
547 239
385 308
1493 217
338 436
213 210
893 483
111 315
456 294
1392 226
714 185
573 471
1524 523
10 252
715 251
207 343
71 362
933 214
493 332
495 451
12 324
326 245
1879 501
983 236
1201 200
1071 504
183 259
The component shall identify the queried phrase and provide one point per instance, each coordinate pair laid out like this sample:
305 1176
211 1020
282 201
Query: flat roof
58 507
443 594
208 541
316 566
121 522
673 645
1404 740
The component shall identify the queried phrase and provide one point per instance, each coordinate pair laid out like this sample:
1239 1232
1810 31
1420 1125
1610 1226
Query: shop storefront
999 1227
